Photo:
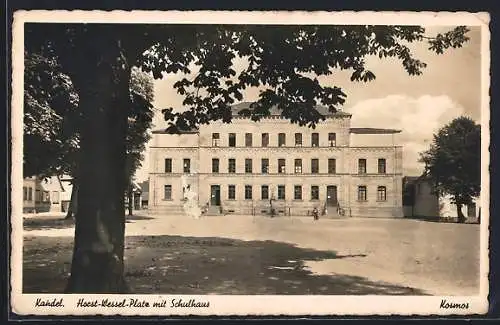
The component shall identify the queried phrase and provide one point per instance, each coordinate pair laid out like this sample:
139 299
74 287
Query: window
381 166
215 165
281 166
248 139
362 166
297 192
25 193
265 165
332 139
298 139
265 139
215 139
298 166
231 165
248 165
264 192
381 193
30 194
248 192
187 165
167 192
314 166
281 192
232 139
46 196
361 193
314 192
281 139
168 165
55 196
315 140
38 196
231 192
332 166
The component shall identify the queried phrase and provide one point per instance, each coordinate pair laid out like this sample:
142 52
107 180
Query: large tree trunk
72 207
103 88
460 216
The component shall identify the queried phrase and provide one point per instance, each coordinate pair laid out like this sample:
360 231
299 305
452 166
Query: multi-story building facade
248 167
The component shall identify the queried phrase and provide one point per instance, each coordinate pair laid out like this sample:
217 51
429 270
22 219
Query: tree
453 162
52 122
99 57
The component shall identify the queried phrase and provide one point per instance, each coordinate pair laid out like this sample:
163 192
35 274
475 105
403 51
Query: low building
421 201
136 197
42 194
248 167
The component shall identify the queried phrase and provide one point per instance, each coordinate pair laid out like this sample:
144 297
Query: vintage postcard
250 163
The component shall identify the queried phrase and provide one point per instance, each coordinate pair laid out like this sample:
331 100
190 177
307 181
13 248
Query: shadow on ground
442 220
204 265
132 218
46 223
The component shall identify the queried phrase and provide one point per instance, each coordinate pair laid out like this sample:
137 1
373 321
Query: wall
426 202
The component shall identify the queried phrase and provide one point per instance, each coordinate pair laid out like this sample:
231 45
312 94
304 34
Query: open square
248 255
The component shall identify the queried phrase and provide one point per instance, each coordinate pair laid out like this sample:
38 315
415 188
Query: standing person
315 214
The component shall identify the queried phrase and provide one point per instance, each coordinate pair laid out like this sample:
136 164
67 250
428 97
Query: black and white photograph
250 163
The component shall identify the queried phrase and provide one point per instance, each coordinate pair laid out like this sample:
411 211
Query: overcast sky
418 105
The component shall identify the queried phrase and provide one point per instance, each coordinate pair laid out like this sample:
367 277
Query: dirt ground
259 255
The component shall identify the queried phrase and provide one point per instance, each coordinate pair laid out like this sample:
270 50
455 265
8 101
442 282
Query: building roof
161 131
373 131
274 111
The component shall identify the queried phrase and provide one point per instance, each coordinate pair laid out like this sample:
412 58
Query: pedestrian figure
315 214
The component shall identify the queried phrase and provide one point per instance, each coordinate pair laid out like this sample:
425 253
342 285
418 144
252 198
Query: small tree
453 162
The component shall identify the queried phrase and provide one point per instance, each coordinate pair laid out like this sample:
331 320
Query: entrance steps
213 210
334 213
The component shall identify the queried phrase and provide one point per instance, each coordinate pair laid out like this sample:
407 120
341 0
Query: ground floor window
248 192
25 193
381 193
264 192
30 194
231 192
38 196
314 192
55 196
46 196
281 192
167 192
361 193
297 192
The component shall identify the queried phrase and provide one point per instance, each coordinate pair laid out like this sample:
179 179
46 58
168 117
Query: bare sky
419 105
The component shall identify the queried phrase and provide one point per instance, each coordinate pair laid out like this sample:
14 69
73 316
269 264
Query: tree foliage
52 120
453 161
285 60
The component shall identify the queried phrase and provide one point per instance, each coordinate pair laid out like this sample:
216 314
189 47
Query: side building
421 201
248 167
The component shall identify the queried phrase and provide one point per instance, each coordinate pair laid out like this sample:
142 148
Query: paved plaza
261 255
